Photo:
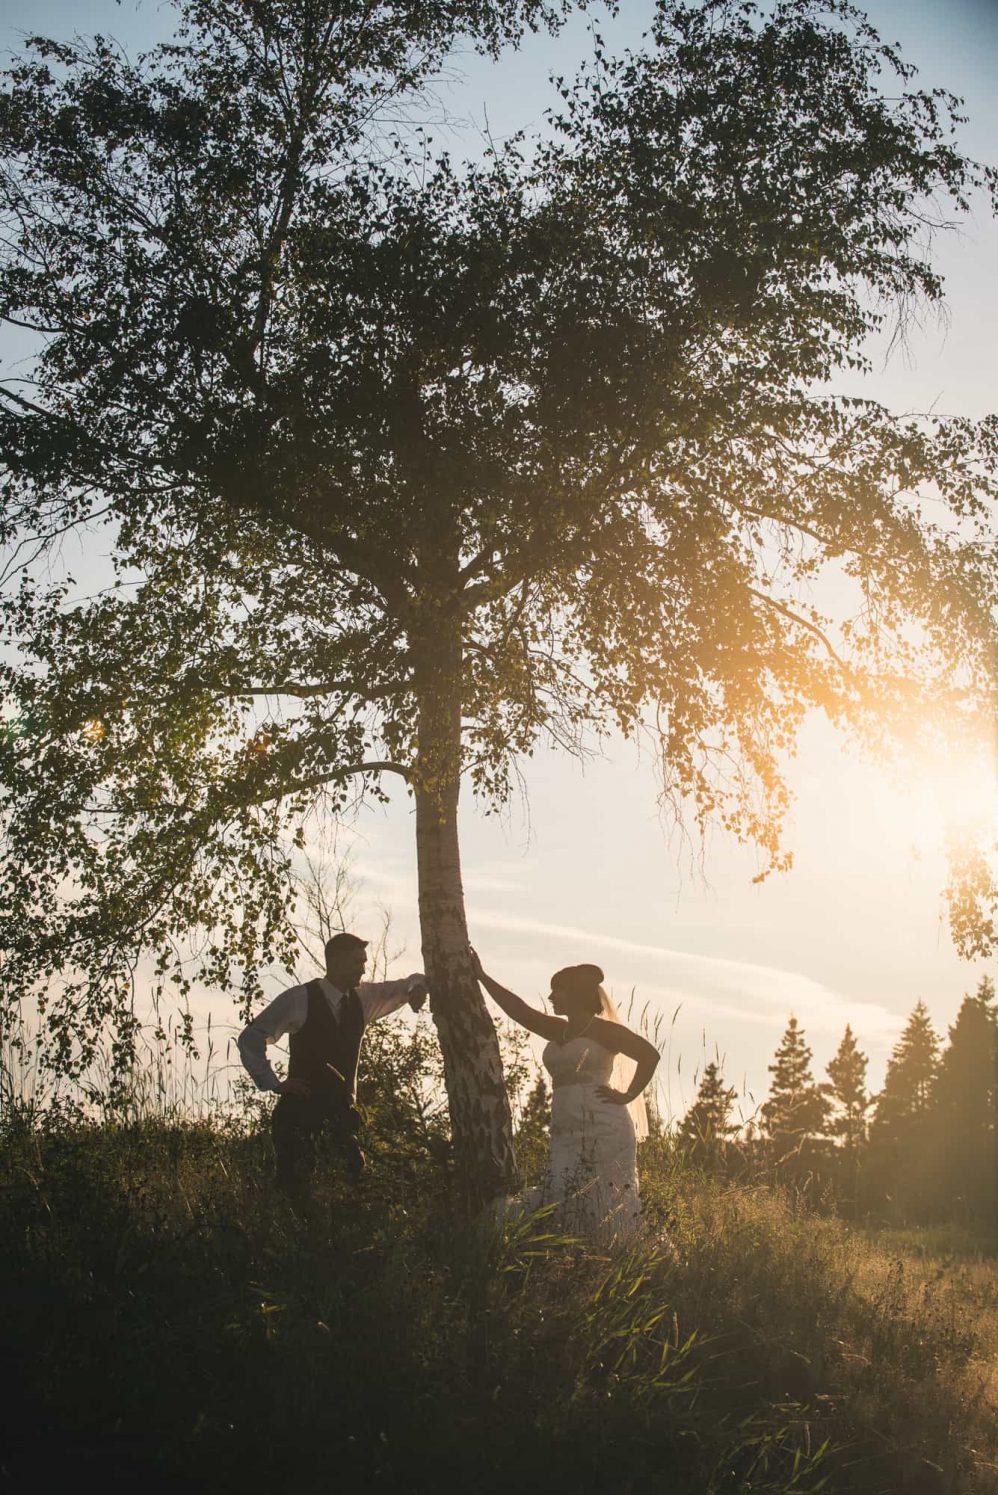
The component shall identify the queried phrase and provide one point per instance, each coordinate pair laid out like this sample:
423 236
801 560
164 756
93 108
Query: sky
582 866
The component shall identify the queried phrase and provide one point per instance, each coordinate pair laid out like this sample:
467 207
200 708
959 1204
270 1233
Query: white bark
481 1122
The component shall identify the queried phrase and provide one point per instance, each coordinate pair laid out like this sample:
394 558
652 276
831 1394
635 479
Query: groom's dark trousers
324 1052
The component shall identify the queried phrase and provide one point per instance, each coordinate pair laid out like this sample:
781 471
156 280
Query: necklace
582 1031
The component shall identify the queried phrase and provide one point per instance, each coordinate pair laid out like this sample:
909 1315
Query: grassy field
171 1326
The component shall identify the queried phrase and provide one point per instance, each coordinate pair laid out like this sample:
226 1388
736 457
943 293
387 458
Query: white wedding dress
592 1173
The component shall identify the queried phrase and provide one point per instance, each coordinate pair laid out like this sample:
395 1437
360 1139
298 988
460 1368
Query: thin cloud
713 986
741 990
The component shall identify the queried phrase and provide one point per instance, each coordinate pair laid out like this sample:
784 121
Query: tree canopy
405 463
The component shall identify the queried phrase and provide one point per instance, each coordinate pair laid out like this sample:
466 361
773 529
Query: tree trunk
481 1123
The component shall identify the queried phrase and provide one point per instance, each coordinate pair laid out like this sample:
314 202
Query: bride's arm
621 1040
515 1007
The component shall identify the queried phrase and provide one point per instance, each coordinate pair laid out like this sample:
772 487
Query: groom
325 1021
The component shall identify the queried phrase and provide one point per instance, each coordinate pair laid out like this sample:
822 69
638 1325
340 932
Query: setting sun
936 804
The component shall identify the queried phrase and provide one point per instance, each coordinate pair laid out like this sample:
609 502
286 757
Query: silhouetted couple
597 1112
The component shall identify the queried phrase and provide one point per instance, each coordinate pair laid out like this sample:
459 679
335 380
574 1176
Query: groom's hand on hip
301 1088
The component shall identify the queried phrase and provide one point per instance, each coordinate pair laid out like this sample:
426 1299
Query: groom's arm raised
380 998
515 1007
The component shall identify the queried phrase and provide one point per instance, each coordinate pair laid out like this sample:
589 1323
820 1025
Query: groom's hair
341 944
581 981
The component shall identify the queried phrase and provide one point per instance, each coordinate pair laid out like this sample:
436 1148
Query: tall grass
180 1069
172 1324
170 1321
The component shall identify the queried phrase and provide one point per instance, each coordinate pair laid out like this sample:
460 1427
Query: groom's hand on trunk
417 996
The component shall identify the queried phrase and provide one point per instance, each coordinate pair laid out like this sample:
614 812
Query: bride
596 1120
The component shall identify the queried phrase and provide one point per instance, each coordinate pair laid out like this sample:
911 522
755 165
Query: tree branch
812 628
307 692
351 770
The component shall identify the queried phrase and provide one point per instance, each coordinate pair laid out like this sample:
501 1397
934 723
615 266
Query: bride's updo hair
584 982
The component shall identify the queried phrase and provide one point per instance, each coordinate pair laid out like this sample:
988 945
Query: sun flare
938 802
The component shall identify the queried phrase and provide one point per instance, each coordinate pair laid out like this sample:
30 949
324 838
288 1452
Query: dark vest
325 1051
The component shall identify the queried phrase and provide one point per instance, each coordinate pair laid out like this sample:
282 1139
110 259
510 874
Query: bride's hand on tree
613 1097
515 1007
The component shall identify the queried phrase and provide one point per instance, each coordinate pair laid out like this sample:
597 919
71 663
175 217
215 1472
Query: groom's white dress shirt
287 1013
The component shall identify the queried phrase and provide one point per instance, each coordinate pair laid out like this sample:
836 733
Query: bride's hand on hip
613 1097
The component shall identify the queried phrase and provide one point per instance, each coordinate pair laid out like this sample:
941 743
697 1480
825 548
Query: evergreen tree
707 1125
895 1173
847 1092
850 1103
795 1115
533 1132
911 1074
964 1146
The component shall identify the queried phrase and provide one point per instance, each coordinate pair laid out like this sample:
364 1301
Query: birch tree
405 465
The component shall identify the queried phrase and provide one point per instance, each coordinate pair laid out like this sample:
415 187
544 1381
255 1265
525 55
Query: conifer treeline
925 1148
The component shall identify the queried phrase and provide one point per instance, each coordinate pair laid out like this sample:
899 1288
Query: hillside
171 1324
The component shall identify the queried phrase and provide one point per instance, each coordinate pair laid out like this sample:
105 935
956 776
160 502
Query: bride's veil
621 1076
